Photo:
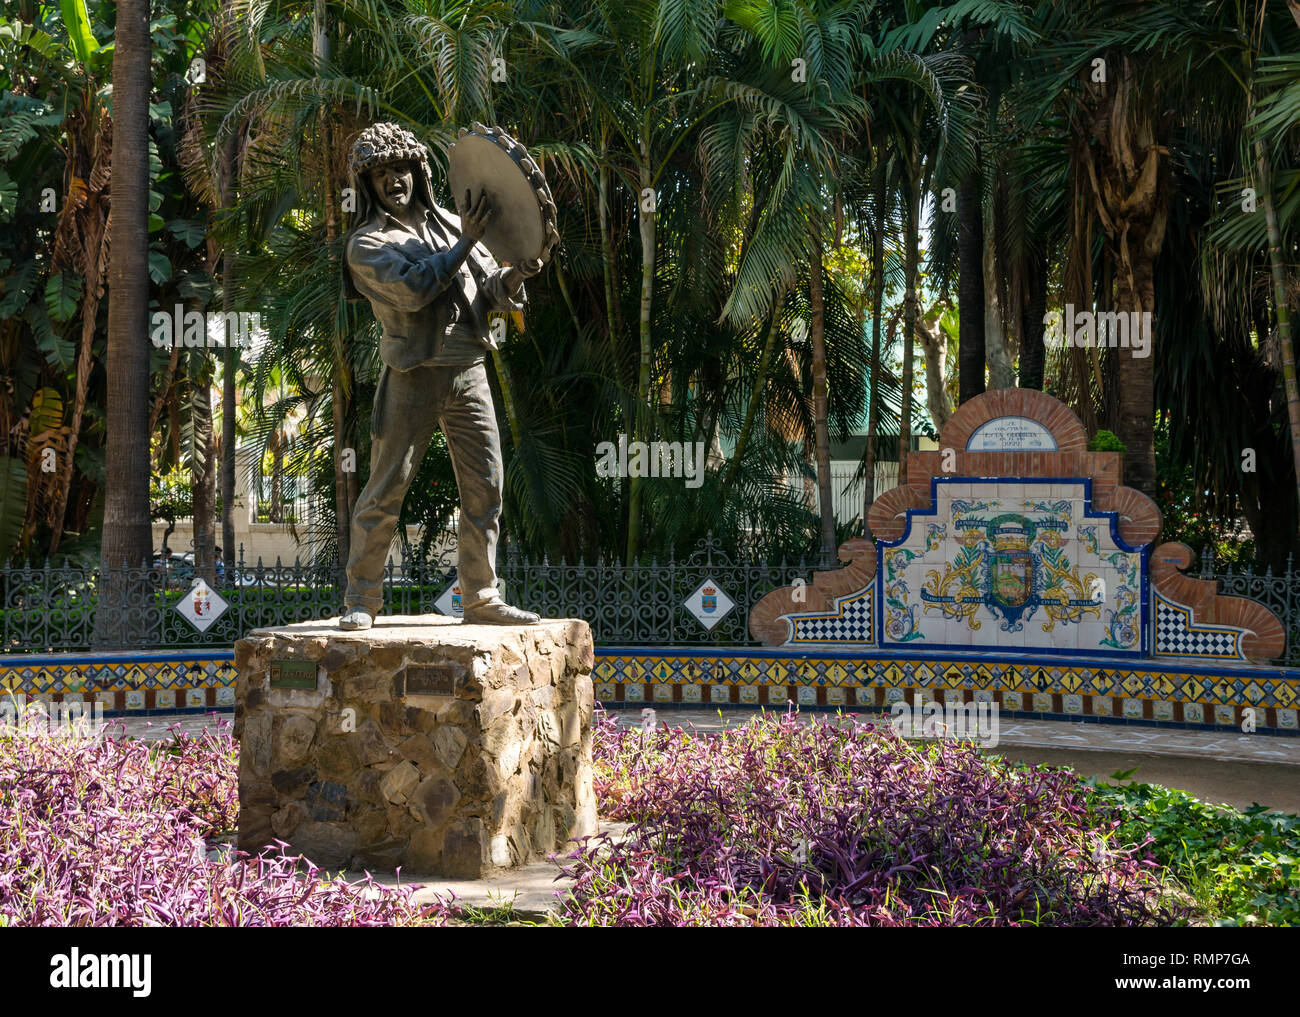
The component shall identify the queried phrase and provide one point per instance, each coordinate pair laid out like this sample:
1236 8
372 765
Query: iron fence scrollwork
48 608
51 608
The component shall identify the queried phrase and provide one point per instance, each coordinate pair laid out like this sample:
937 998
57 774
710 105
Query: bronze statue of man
432 286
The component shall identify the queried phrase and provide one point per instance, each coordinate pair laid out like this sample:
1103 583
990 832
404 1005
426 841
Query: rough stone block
443 748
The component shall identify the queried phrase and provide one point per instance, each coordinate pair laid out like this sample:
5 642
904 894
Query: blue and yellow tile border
1145 690
128 683
1185 693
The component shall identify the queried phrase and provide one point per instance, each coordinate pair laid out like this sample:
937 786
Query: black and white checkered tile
1177 636
851 622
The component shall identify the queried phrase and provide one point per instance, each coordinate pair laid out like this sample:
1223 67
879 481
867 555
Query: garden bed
773 823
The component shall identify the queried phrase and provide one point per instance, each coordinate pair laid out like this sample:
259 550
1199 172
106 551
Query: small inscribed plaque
293 674
1011 434
431 680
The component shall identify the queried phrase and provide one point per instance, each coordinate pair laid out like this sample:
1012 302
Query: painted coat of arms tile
1026 565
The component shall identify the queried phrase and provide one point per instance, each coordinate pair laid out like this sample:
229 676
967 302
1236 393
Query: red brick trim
1265 637
1053 414
765 621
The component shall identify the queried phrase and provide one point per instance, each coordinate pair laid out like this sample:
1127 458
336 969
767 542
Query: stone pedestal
443 748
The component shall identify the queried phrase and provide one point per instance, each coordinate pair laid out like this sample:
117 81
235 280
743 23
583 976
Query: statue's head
390 169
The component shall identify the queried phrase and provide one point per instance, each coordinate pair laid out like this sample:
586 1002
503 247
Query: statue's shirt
430 311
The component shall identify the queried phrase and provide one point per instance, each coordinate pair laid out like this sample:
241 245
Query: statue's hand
530 268
476 217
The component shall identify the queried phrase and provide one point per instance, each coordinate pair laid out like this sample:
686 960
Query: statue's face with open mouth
394 185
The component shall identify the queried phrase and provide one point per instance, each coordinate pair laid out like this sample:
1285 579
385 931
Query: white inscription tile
1011 434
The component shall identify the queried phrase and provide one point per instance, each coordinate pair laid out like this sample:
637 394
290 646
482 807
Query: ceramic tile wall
1137 690
947 554
1146 690
124 682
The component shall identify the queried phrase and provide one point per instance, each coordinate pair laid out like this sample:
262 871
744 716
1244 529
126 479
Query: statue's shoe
499 613
357 618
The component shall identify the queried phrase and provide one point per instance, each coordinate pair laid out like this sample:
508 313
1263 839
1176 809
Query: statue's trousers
409 406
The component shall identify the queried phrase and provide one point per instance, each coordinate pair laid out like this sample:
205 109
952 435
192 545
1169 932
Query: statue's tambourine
524 226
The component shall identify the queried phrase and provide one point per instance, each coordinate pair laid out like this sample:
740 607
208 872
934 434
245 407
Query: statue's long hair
368 206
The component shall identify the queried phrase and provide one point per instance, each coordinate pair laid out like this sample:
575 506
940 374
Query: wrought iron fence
47 608
1280 593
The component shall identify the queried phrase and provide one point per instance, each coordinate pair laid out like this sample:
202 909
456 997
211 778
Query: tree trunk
127 535
1280 308
344 499
96 219
645 203
165 394
877 309
809 476
936 398
1001 374
228 439
1128 174
203 469
911 307
1032 351
1137 386
755 393
821 426
346 483
513 426
275 514
970 289
229 367
607 256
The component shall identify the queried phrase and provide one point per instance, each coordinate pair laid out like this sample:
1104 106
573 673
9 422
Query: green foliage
13 502
62 295
171 497
1242 868
8 195
750 167
1191 518
1105 441
189 232
735 150
160 267
47 411
77 23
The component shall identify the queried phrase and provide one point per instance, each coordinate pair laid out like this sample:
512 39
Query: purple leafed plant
788 823
116 831
775 823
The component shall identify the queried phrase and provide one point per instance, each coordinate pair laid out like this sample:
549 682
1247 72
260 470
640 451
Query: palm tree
1264 132
127 538
878 224
228 163
1123 72
86 216
970 203
291 99
829 34
1260 97
641 66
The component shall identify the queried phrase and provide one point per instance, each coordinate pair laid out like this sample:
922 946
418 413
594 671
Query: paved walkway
1063 734
530 891
1216 766
159 726
1055 734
